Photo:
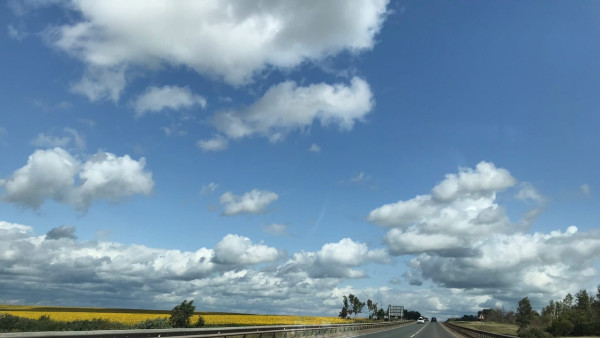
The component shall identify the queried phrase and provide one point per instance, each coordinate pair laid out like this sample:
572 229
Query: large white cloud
58 268
252 202
334 260
230 40
57 175
235 249
286 107
462 239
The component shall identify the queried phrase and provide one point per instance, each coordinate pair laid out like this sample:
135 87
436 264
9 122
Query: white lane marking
419 331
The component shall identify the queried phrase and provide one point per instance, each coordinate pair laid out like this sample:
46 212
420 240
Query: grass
499 328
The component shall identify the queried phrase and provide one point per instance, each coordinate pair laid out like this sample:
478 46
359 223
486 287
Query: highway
429 330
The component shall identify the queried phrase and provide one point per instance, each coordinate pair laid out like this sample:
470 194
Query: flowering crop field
133 316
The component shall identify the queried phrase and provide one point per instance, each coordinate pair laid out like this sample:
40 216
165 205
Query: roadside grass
499 328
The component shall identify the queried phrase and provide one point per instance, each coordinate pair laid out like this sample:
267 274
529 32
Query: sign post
395 311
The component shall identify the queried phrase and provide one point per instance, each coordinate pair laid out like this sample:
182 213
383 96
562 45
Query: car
421 320
433 319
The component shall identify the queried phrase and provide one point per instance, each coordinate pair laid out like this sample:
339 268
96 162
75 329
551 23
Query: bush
200 322
182 314
532 332
94 324
158 323
561 327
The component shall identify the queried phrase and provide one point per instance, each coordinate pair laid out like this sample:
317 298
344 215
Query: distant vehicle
433 319
421 320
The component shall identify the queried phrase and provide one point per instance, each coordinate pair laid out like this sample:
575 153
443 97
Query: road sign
395 311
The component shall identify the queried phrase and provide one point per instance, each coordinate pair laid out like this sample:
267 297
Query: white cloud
155 99
464 202
211 187
51 174
513 264
286 107
106 176
528 192
101 83
485 179
276 229
335 260
314 148
159 278
50 141
252 202
216 143
243 38
464 240
235 249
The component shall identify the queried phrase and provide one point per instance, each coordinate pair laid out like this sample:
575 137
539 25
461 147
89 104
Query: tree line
577 315
351 304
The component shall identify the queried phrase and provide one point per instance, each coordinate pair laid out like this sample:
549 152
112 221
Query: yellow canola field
65 316
210 320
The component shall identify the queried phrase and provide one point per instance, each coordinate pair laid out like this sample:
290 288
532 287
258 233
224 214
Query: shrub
561 327
532 332
94 324
158 323
199 322
182 313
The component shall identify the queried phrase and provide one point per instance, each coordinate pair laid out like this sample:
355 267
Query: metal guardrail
476 333
229 332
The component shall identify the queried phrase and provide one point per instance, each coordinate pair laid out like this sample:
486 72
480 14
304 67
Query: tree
381 314
181 314
356 304
344 312
372 308
524 313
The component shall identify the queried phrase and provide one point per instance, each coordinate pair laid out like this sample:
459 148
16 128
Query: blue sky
273 157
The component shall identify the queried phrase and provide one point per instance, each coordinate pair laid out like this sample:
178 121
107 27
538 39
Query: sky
274 156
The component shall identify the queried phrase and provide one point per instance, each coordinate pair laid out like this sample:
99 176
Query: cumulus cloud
234 249
460 209
102 273
286 107
462 204
243 39
216 143
57 175
156 99
61 232
462 239
252 202
513 264
335 260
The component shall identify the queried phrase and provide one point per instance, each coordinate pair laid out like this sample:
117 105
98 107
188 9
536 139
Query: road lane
429 330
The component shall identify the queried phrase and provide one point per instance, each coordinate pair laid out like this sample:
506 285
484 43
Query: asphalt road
429 330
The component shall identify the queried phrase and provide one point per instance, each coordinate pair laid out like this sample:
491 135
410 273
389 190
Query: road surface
428 330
